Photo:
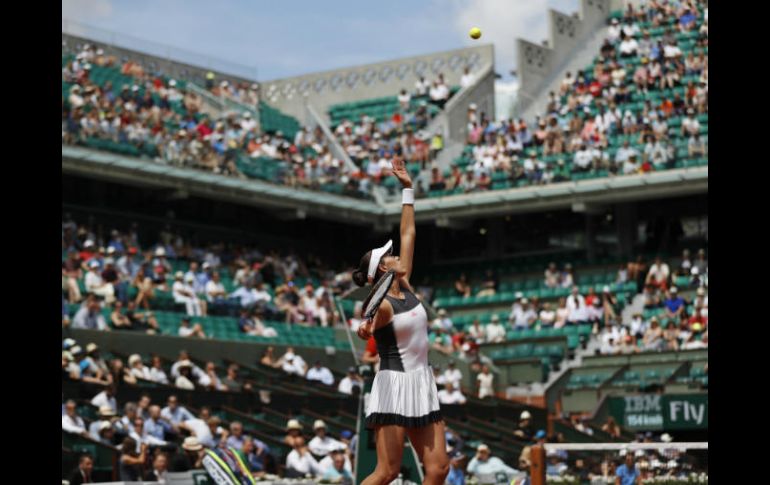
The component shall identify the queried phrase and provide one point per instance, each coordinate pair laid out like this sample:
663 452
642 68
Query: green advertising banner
655 412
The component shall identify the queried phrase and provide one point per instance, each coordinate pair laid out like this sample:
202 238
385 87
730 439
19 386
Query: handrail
340 152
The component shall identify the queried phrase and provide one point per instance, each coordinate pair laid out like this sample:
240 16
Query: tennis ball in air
475 33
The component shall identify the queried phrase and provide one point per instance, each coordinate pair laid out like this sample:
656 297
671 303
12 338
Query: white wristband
407 196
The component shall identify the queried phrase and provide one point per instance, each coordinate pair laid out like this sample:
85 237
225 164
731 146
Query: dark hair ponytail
360 276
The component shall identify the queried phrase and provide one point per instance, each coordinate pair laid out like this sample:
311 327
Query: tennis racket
375 297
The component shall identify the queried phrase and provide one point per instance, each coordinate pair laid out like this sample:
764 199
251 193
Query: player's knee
390 473
438 469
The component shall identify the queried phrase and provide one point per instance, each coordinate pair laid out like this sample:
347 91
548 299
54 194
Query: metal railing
339 152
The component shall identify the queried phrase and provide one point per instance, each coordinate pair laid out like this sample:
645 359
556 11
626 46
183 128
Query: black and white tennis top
403 343
404 391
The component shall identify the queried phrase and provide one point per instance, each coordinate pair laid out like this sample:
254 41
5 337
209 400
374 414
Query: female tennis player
404 398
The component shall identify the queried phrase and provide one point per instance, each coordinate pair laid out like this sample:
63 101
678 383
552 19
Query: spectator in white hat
184 294
137 367
300 462
322 444
293 433
96 285
495 330
485 464
525 431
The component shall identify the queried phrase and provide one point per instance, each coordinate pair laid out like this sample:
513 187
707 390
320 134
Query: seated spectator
187 330
96 285
485 384
555 465
137 367
321 374
71 422
252 325
292 363
140 435
215 383
495 330
293 433
141 320
451 395
118 320
89 316
197 373
215 291
156 425
191 457
312 307
696 147
653 337
674 304
576 305
300 462
443 321
351 380
453 375
183 293
336 468
174 413
322 444
489 285
82 474
268 359
671 336
524 315
157 374
485 464
547 315
185 379
552 276
253 456
159 470
611 427
477 332
525 431
232 382
658 274
462 287
106 398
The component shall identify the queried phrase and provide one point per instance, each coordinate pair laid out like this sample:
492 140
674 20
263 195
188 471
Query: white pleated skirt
408 399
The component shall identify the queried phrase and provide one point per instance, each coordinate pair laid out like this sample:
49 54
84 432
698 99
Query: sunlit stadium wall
323 89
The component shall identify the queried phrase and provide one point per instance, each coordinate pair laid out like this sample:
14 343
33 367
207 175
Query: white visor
374 260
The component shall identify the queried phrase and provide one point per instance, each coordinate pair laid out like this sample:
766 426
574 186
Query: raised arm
408 231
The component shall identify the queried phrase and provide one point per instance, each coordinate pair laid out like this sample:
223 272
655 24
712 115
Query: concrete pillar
626 222
590 237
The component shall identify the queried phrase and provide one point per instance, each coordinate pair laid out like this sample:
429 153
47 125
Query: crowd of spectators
592 108
167 122
117 273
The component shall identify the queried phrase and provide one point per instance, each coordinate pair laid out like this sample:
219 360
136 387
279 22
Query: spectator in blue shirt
174 413
156 426
687 20
675 304
456 474
337 473
627 473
